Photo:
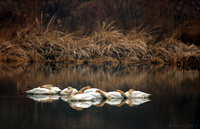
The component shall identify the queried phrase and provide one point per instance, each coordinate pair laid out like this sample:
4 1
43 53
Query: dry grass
36 43
175 52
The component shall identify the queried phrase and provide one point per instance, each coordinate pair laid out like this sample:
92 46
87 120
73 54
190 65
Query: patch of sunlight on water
175 100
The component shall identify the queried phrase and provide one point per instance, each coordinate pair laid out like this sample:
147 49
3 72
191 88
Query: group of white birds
87 96
86 93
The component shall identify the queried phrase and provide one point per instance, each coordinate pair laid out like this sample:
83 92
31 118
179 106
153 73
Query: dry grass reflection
150 79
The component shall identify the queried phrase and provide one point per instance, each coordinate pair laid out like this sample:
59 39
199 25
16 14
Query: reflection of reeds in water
148 79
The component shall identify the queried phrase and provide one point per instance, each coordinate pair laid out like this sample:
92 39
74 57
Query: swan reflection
44 98
136 102
80 105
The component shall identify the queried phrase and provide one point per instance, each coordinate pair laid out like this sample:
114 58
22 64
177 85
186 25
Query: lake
174 104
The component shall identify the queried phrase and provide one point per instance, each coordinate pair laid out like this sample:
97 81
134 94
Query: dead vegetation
174 52
36 43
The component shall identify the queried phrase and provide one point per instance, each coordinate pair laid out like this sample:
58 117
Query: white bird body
50 86
111 95
90 90
95 94
136 94
41 91
81 97
114 95
56 89
44 90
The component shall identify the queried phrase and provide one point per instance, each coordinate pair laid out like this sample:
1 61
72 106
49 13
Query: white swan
112 94
95 95
89 90
80 96
47 86
41 91
44 90
136 94
68 91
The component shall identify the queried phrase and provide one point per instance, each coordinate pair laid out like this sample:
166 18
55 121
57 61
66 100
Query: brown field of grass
107 44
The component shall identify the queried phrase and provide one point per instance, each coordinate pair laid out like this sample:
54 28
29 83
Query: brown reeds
174 52
37 43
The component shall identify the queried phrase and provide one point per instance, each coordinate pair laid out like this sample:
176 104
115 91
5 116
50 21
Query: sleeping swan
134 94
91 91
96 95
111 95
88 89
85 88
80 96
44 90
68 91
56 89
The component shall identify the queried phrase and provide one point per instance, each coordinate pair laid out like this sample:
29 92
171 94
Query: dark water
174 104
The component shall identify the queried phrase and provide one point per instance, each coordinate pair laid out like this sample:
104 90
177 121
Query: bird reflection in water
80 105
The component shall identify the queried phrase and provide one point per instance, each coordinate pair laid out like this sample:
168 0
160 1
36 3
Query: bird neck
129 93
46 86
84 88
102 94
123 94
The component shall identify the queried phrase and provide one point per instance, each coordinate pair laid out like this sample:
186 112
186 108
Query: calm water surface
174 104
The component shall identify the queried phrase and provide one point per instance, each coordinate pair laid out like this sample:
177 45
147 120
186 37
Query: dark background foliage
84 15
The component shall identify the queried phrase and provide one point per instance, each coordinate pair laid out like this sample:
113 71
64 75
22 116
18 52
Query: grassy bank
106 44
